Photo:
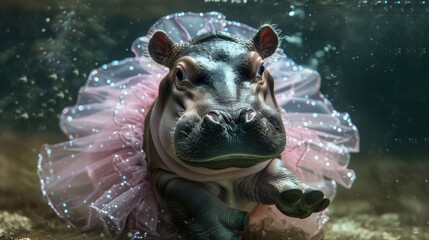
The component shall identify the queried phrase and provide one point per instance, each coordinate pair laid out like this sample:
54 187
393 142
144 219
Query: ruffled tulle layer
99 177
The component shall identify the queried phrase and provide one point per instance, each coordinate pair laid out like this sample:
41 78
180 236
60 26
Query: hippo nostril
213 116
225 118
250 115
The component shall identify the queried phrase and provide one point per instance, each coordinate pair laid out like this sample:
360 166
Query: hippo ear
266 41
160 47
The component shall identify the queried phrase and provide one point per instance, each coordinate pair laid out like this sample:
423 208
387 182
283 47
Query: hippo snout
222 138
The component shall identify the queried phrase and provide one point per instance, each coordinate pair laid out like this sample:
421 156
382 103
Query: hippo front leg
199 211
277 185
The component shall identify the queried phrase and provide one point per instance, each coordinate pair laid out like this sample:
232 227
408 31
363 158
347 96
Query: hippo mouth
233 160
211 143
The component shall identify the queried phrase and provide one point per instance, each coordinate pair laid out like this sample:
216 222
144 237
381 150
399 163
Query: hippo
216 110
209 132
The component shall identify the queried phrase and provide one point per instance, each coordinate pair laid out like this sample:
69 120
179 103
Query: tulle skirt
99 177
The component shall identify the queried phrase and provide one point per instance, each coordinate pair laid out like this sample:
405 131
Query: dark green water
373 57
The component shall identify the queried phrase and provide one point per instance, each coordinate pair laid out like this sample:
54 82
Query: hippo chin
216 111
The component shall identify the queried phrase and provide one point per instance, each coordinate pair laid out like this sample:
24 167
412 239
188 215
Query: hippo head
216 106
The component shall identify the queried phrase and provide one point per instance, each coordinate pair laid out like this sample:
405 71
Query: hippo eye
180 74
261 70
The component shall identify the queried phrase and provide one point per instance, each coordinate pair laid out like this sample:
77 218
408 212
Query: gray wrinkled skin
216 110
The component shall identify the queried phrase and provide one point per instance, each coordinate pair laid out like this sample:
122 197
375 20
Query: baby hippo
214 135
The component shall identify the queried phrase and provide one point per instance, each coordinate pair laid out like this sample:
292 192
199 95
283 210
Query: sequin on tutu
99 177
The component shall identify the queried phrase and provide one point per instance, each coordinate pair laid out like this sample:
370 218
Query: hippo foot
201 214
292 196
295 202
277 185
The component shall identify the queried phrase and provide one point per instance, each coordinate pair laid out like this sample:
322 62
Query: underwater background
373 57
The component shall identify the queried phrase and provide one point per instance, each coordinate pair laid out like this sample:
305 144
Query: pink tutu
99 177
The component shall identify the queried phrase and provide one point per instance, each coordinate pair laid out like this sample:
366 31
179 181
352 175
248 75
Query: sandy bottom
388 200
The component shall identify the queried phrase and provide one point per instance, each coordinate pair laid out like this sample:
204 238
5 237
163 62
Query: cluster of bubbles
68 42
